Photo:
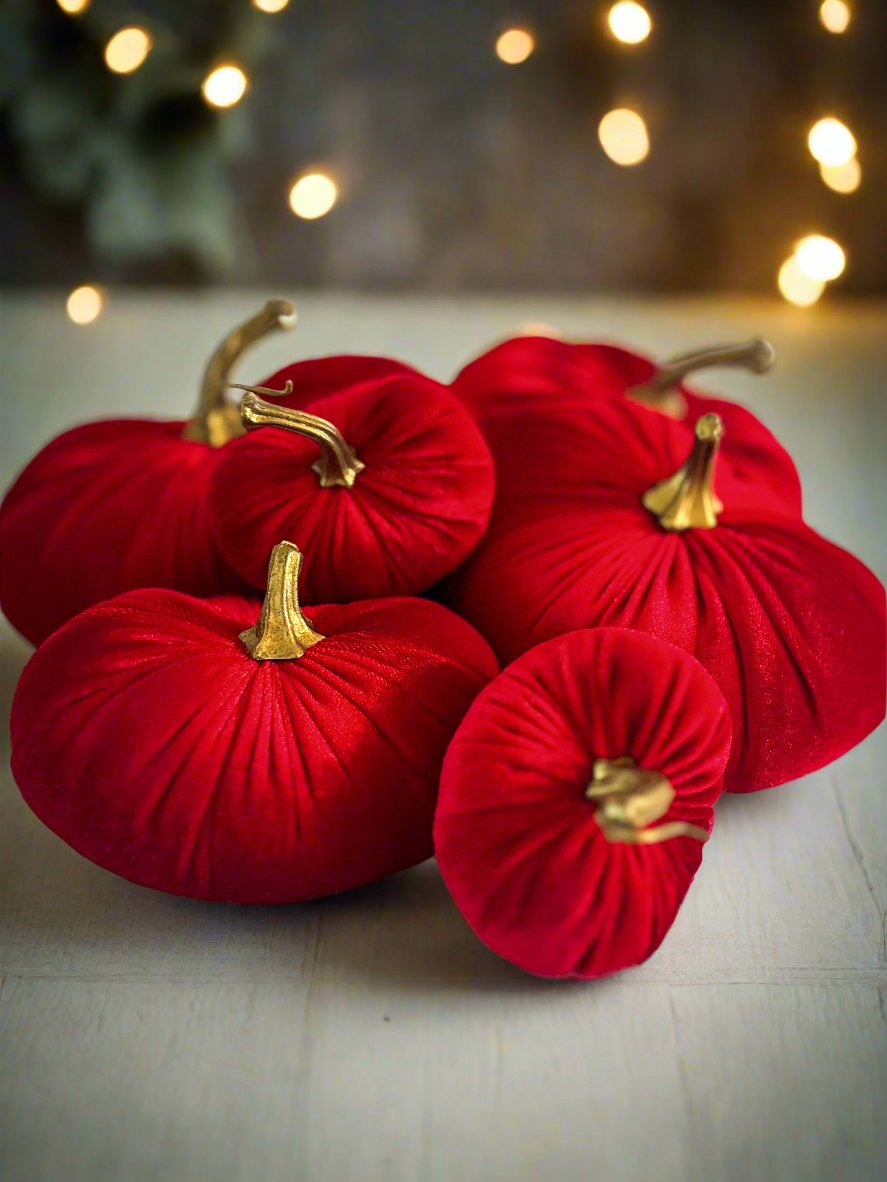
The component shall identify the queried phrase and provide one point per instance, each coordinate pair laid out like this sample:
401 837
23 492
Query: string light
515 46
85 304
127 49
831 142
834 15
623 136
270 6
843 178
820 258
629 23
313 195
73 7
796 287
225 86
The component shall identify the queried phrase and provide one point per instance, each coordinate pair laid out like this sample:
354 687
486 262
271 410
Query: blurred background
558 145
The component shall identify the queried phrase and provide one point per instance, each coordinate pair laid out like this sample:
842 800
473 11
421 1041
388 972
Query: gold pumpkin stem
216 421
282 632
338 463
660 391
687 500
630 798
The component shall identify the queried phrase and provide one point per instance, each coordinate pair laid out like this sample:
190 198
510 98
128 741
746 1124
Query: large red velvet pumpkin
111 506
380 473
791 627
201 748
513 388
575 798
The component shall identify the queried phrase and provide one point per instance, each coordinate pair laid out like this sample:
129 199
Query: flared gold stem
216 421
660 391
282 632
338 463
687 500
630 798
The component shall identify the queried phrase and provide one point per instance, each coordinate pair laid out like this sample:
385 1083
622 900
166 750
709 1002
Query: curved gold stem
338 463
687 500
216 421
282 632
630 798
657 834
660 391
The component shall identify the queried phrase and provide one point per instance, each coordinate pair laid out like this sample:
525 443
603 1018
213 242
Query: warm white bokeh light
629 23
834 15
270 5
843 178
72 7
313 195
797 287
127 49
224 86
85 304
623 136
820 258
540 328
831 142
515 46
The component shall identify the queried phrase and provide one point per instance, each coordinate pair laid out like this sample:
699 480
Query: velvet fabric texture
104 508
522 380
113 506
146 737
516 839
791 627
414 513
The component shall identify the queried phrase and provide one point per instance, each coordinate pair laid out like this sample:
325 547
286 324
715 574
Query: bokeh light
72 7
85 304
831 142
796 287
313 195
127 49
540 328
270 5
843 178
820 258
834 15
515 46
224 86
623 136
629 23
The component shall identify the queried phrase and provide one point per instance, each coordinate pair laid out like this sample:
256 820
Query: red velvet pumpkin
791 627
515 386
575 798
111 506
383 476
199 748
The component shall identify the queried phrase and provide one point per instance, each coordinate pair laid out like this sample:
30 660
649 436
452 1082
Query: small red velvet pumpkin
575 798
385 478
112 506
791 627
201 748
512 389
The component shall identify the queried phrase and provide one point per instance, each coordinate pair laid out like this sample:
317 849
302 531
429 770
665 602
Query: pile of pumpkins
633 553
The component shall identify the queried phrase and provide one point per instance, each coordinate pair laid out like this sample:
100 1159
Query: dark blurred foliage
455 171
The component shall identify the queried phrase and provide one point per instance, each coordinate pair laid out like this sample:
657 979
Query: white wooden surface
371 1038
